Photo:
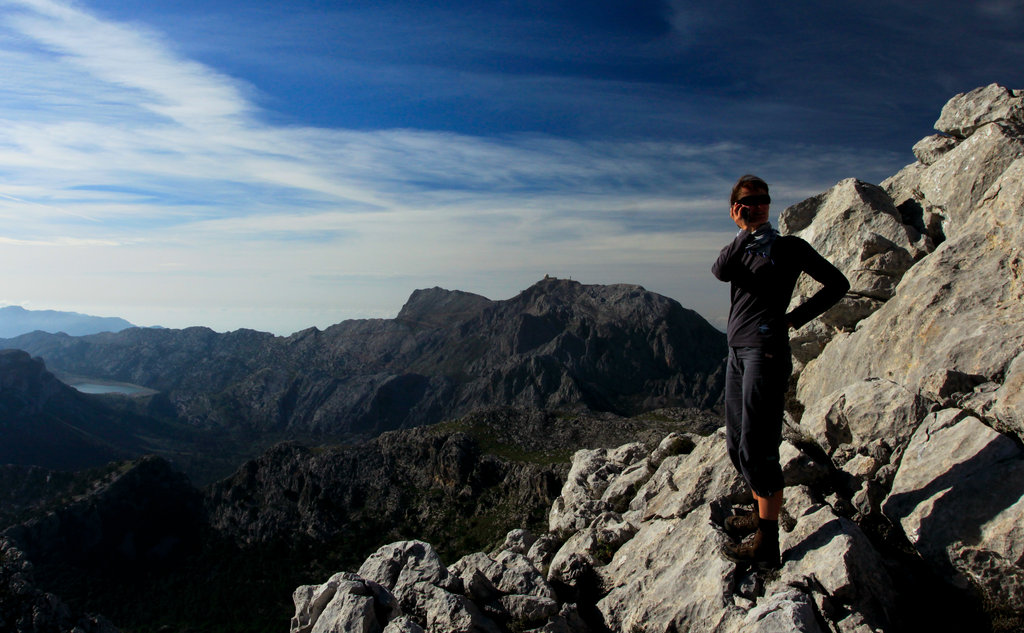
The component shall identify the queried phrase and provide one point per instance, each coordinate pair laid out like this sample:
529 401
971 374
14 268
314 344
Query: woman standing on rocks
762 268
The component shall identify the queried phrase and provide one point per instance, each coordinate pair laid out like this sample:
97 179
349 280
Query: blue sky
280 165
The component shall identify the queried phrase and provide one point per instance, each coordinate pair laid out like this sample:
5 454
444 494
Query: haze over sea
278 166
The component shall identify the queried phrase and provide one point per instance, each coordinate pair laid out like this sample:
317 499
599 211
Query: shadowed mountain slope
558 344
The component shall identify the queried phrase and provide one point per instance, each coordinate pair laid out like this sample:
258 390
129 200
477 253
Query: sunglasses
754 201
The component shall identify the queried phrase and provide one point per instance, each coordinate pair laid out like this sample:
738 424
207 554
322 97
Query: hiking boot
741 525
758 550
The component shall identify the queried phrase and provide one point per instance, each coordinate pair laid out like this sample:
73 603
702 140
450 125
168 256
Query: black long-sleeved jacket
762 287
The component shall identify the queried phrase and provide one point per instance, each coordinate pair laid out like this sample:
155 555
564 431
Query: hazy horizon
720 326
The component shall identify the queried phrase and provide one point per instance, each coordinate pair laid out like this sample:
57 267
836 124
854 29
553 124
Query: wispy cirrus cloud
133 175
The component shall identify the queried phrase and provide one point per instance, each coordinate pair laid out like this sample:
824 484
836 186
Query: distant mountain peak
437 307
16 320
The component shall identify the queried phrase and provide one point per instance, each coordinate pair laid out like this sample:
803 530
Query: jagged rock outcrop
953 326
965 113
856 226
959 497
558 344
904 463
949 341
654 567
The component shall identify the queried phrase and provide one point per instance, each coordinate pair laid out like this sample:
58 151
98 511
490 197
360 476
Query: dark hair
747 182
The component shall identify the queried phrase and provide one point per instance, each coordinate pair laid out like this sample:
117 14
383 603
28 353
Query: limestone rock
863 413
351 603
310 601
799 468
958 181
543 551
832 556
519 577
567 620
590 476
669 575
966 112
938 194
999 580
807 342
686 482
959 497
518 541
590 547
621 490
479 574
799 500
526 609
410 570
785 612
673 444
943 384
508 583
931 148
574 571
958 310
923 216
453 613
1007 411
347 612
403 624
856 227
345 603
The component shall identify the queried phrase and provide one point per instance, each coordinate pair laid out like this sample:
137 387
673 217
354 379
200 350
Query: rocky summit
558 344
903 458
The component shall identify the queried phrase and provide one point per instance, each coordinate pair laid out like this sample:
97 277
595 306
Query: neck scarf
764 237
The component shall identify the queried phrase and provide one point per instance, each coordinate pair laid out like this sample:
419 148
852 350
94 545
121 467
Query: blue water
127 390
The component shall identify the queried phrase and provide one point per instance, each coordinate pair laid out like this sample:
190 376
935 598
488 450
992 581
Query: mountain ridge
557 344
16 320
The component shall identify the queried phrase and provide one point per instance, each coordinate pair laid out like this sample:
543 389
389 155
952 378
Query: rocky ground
903 457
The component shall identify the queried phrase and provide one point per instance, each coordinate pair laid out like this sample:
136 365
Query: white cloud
134 58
